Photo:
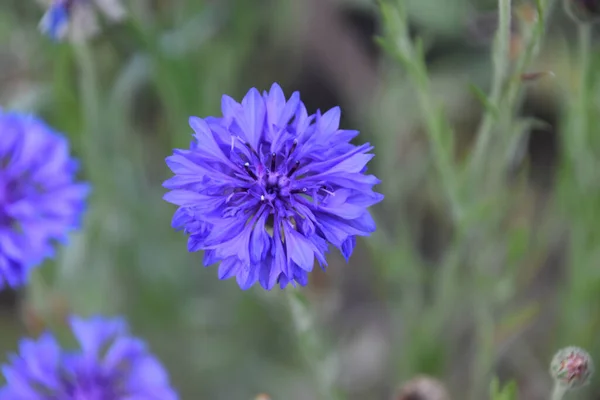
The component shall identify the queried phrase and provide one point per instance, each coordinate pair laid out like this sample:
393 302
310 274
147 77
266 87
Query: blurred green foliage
485 260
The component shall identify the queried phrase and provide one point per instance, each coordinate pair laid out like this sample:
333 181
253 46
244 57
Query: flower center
95 387
272 176
277 184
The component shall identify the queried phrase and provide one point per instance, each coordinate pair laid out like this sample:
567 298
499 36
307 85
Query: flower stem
310 345
506 93
501 59
88 85
585 47
441 136
484 359
558 392
89 92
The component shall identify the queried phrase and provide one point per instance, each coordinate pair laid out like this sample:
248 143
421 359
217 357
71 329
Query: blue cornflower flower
55 22
264 189
77 18
109 365
39 199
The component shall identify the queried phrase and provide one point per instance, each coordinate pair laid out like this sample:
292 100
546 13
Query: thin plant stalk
504 98
558 392
580 155
506 93
484 358
310 345
532 47
581 117
439 133
502 103
90 95
585 49
501 58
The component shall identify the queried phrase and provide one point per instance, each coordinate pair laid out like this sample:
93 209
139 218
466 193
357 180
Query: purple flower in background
39 199
264 189
77 19
110 364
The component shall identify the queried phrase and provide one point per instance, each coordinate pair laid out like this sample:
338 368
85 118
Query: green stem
581 157
585 49
310 344
89 93
583 95
501 60
484 359
558 392
438 130
506 94
88 86
533 41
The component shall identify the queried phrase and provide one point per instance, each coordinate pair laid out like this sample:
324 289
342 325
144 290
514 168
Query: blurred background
416 297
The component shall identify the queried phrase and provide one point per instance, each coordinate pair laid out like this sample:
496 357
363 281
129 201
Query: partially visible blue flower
266 188
109 364
55 22
77 19
40 201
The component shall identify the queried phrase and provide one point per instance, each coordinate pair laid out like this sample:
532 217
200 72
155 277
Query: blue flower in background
110 364
40 202
265 188
55 22
78 18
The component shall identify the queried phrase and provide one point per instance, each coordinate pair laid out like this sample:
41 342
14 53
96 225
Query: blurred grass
491 289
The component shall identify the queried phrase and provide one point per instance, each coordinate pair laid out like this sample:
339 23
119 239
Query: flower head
266 187
109 365
571 367
77 19
40 202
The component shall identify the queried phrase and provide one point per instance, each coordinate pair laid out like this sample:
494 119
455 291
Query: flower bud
571 367
423 388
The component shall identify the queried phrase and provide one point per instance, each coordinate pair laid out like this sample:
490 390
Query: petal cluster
77 19
572 367
109 365
40 201
266 188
